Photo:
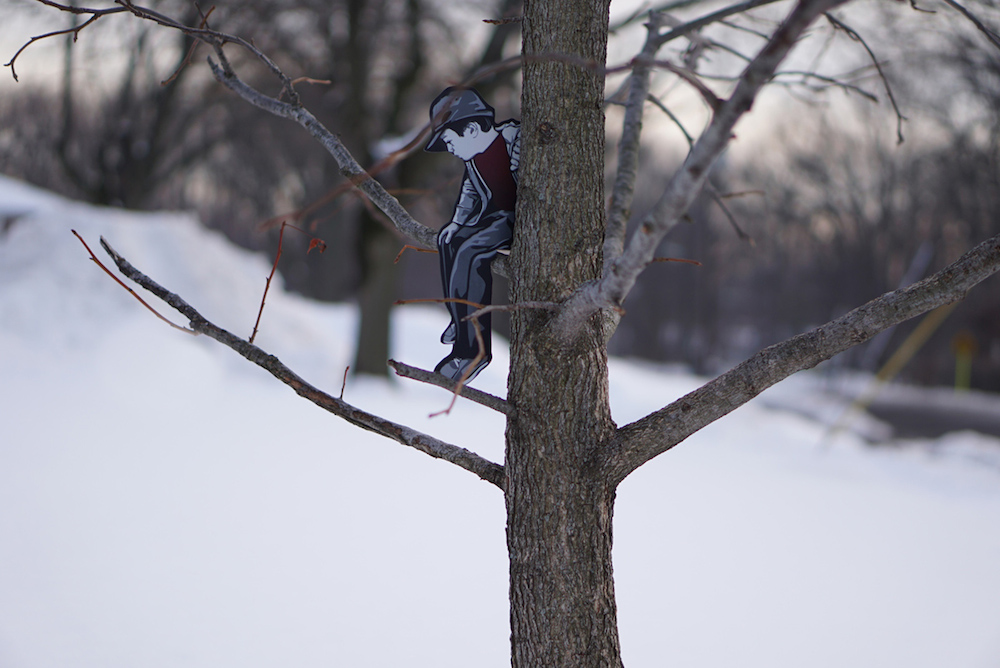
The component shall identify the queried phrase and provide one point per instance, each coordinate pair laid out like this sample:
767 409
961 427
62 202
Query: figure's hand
447 232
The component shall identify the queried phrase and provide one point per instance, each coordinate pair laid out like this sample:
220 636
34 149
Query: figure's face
465 145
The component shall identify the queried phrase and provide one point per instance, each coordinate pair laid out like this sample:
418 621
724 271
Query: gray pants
465 274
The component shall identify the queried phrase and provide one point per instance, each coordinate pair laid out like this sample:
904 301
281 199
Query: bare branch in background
715 17
990 35
75 30
621 272
291 109
853 34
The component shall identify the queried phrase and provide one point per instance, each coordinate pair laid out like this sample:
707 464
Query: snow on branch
637 443
470 461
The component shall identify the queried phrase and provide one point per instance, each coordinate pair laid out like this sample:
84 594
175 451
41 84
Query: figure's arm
512 137
468 205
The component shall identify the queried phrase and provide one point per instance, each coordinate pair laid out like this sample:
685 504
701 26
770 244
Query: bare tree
571 268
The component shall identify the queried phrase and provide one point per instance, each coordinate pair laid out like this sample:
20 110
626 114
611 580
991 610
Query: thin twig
830 81
853 34
713 192
504 21
407 247
699 23
310 80
676 259
436 379
693 80
313 243
990 35
343 384
493 308
662 107
130 290
75 30
190 52
437 300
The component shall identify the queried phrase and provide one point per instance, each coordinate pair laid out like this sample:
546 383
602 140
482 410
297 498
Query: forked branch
620 274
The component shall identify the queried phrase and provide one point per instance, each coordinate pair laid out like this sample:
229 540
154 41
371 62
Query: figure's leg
471 279
446 262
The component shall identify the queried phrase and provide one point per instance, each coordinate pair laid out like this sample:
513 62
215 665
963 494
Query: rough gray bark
559 506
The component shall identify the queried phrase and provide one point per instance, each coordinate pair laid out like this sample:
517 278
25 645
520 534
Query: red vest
493 166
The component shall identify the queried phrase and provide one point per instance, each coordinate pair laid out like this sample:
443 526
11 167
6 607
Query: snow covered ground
163 503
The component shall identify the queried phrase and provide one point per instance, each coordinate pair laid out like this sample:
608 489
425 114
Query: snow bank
163 503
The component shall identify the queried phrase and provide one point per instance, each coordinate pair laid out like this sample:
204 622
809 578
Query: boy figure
481 224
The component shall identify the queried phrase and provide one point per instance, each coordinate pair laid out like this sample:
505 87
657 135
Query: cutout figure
482 222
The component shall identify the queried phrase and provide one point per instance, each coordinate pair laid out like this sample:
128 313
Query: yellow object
964 345
913 343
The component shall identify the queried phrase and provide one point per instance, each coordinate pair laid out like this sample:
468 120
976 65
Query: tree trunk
559 509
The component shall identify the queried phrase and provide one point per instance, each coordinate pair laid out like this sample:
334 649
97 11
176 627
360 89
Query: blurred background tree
833 210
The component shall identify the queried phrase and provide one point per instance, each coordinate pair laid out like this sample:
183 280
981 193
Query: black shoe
455 367
449 335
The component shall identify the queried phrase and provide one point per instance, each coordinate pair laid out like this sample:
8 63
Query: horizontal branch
656 433
470 461
470 393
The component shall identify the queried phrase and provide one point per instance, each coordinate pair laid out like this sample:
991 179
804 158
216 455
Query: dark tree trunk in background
559 506
378 247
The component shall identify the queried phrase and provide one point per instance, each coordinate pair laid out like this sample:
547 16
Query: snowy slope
164 503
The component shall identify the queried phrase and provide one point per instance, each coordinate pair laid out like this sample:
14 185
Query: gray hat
451 107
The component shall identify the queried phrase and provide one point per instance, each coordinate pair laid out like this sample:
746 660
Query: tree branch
854 35
708 19
637 443
349 167
628 146
620 275
75 30
470 461
292 109
990 35
470 393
